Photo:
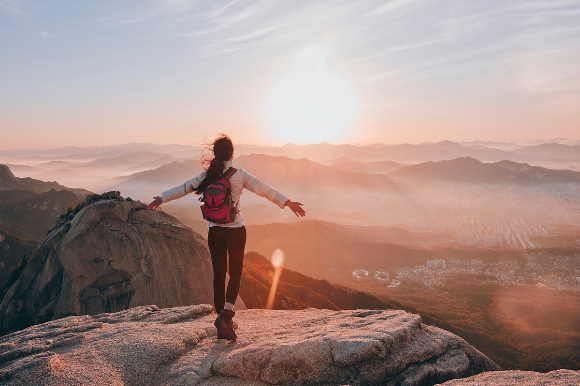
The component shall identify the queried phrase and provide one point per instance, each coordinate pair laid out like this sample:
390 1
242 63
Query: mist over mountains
285 174
470 170
358 185
8 181
86 167
377 167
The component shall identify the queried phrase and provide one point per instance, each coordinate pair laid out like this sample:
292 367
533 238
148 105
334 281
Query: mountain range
76 166
285 174
552 150
470 170
406 153
378 167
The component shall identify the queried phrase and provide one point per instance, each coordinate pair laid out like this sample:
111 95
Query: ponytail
222 150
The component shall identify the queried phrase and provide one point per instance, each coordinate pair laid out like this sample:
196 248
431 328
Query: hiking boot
220 335
224 325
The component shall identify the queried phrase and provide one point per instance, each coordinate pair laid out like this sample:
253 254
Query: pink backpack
217 205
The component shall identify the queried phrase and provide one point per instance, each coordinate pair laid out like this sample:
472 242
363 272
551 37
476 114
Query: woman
228 238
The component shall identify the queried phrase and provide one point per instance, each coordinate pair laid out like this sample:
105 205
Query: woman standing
226 238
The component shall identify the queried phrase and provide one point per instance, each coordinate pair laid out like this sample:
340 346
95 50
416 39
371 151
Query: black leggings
223 241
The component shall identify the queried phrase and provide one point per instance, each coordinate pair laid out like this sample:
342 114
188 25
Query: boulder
108 255
178 346
520 378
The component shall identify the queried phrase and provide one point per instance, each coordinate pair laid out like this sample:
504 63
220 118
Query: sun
310 105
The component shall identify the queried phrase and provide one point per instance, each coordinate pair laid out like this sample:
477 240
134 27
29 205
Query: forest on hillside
518 327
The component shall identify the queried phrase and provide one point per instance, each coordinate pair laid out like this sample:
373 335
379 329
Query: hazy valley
481 239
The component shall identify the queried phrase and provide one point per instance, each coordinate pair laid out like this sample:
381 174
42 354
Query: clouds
12 7
410 34
390 6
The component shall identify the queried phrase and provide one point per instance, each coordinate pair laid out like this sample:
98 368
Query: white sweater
239 180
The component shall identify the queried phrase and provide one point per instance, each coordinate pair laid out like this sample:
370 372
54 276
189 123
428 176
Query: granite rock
178 346
108 255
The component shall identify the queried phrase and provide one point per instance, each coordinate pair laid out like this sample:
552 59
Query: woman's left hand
156 203
296 208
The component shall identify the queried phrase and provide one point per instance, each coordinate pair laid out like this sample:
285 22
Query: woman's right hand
295 207
156 203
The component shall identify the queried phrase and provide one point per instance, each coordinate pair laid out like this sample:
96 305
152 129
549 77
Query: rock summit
178 346
106 255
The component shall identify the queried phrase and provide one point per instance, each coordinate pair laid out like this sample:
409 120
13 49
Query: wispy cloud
47 34
12 7
447 41
389 7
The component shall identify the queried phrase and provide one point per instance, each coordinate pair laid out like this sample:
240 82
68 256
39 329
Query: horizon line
513 141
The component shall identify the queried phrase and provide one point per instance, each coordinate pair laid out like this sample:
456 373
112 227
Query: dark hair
222 150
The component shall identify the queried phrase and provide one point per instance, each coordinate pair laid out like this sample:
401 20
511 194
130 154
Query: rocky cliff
107 255
178 346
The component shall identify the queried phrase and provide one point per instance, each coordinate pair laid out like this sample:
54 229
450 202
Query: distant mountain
55 164
158 162
134 157
8 181
372 234
29 215
100 151
406 153
303 174
491 144
149 183
23 169
552 151
282 173
330 251
338 160
470 170
380 167
12 251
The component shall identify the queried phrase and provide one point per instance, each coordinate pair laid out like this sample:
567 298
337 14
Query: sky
271 72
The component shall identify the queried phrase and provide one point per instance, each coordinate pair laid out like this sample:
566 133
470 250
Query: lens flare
277 259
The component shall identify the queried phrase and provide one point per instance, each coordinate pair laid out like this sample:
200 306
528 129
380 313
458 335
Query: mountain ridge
471 170
9 181
279 172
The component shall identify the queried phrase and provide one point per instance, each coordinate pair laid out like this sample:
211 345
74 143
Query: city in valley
541 268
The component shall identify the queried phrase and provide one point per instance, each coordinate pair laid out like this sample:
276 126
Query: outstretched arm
156 203
261 189
177 192
296 207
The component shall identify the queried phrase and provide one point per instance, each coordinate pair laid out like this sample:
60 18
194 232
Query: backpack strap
229 173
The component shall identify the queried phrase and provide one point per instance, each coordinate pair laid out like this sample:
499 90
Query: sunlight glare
310 105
